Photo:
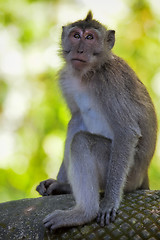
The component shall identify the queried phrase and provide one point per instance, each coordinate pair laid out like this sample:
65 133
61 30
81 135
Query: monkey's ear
64 28
89 16
110 38
63 31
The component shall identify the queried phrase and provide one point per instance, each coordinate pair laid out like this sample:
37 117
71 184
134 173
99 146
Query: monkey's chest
93 118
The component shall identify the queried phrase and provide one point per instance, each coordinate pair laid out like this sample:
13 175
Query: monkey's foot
53 187
107 213
45 187
60 218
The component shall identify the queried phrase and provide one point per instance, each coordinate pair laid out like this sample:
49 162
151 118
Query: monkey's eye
89 37
77 35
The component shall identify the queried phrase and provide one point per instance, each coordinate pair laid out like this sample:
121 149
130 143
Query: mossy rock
138 218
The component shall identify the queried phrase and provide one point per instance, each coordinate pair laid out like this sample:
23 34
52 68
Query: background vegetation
33 115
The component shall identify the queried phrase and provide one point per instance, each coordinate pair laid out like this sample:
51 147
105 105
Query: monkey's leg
83 176
145 184
61 186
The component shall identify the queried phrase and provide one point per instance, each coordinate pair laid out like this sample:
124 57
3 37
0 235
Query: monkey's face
81 48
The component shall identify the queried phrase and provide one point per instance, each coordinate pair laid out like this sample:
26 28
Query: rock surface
138 218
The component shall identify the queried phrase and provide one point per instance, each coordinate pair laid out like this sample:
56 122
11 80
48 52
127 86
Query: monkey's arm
122 158
123 119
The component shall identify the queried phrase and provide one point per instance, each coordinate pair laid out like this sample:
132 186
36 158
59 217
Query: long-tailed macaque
112 132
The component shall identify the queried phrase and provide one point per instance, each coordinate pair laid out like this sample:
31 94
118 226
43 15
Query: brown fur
112 133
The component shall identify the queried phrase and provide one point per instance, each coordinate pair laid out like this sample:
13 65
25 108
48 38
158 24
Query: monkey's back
124 97
131 93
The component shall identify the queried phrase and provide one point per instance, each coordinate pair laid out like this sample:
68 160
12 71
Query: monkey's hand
52 187
107 212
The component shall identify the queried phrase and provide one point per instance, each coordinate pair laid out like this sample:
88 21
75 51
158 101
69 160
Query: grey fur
112 133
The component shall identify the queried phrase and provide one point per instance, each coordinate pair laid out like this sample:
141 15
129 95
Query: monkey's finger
107 220
102 220
99 217
113 214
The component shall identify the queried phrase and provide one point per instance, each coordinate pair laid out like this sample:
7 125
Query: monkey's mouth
78 63
78 60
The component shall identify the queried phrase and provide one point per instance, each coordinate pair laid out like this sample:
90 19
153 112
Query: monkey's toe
45 188
41 189
54 220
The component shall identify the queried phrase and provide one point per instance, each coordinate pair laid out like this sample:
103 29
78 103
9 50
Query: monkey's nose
80 51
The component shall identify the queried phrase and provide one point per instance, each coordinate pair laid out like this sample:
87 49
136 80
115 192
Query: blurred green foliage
33 115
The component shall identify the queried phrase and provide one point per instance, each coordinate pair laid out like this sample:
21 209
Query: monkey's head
86 43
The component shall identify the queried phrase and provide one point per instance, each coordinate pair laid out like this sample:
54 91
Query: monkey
112 133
